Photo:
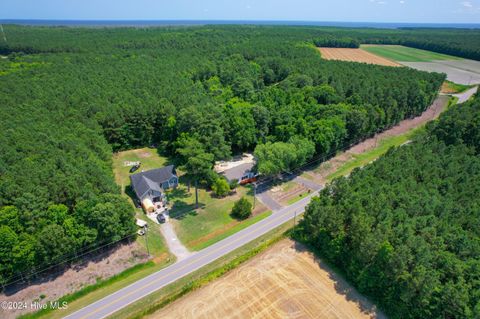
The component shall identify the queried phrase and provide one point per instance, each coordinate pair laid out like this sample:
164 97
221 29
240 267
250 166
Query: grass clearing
406 54
212 222
238 226
148 156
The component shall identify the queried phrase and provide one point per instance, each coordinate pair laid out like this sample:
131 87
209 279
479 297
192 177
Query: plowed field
355 55
286 281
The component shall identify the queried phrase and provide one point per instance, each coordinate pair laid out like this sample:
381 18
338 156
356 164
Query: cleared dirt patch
286 281
81 274
355 55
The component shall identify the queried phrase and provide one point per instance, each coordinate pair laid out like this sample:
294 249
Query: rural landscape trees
405 229
242 208
69 97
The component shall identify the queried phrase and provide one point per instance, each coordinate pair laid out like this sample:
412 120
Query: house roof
151 180
238 171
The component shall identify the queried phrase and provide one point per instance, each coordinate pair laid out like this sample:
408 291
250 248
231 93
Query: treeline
331 42
199 93
463 43
406 229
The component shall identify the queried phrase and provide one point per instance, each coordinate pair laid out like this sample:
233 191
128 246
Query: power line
265 180
19 276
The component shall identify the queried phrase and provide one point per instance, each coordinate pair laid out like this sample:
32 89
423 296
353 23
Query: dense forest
71 96
406 229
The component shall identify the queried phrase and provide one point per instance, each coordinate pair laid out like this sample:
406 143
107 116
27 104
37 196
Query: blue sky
427 11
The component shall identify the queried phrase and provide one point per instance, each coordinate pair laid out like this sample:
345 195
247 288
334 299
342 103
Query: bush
242 209
220 187
233 184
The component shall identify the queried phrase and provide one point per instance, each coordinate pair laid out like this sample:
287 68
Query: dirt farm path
286 281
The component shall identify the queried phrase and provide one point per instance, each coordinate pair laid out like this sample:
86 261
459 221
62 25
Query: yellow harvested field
286 281
355 55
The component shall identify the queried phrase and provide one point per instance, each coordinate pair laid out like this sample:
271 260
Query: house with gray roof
151 184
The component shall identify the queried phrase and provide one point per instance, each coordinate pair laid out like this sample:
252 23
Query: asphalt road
122 298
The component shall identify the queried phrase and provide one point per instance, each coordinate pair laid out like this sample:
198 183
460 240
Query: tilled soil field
354 55
286 281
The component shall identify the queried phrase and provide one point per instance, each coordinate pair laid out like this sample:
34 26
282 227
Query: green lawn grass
199 228
149 157
406 54
238 227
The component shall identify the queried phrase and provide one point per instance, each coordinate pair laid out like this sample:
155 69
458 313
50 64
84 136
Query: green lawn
150 159
210 223
238 227
406 54
148 156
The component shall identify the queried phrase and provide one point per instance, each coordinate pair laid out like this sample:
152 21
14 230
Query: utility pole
146 240
254 193
196 193
294 222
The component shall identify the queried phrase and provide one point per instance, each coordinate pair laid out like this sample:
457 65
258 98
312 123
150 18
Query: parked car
134 168
248 178
161 218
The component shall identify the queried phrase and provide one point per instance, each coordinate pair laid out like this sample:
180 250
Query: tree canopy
406 229
71 96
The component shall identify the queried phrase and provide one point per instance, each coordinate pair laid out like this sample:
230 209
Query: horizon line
233 20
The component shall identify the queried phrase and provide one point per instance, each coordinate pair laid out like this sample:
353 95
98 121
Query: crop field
405 54
355 55
465 72
286 281
460 71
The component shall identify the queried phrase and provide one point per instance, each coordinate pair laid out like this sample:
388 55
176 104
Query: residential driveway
173 243
268 201
307 183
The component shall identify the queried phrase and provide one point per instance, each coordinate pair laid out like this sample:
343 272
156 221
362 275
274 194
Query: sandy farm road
286 281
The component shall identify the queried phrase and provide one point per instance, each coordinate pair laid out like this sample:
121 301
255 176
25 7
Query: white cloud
402 2
467 4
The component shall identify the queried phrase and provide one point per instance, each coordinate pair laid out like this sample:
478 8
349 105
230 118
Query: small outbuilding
240 169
